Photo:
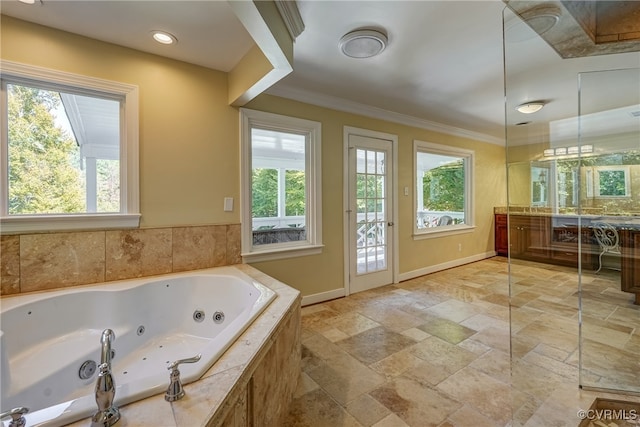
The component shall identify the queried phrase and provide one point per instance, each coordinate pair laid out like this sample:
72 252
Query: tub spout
107 414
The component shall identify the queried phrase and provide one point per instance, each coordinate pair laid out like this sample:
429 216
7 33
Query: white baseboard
338 293
445 265
323 296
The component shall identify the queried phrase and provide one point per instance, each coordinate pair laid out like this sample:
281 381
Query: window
612 181
608 181
281 209
567 183
540 177
69 151
443 196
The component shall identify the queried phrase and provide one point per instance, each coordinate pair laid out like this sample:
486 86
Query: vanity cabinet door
630 262
529 237
501 235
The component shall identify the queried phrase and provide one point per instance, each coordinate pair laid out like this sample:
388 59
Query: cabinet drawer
565 256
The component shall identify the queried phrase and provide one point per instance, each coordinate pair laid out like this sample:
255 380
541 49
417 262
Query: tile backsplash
36 262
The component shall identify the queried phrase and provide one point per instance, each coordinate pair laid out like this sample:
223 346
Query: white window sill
70 222
443 232
281 253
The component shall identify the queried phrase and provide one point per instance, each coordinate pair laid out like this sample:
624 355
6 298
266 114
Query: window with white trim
612 181
444 188
281 194
69 151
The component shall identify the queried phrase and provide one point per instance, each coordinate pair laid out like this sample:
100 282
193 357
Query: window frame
280 123
129 215
468 157
625 169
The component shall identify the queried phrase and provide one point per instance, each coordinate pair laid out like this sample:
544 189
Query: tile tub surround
263 364
441 355
37 262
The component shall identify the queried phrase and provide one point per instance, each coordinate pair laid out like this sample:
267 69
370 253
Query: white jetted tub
50 340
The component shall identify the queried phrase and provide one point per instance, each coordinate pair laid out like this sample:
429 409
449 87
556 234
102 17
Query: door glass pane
371 222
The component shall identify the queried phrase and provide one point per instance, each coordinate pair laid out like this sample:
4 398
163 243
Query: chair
608 239
445 220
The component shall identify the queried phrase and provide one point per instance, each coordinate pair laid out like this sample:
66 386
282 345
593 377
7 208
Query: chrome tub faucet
107 414
175 391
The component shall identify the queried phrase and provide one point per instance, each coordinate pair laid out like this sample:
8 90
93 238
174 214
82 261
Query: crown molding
291 16
340 104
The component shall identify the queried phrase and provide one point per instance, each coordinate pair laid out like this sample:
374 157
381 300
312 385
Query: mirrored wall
573 166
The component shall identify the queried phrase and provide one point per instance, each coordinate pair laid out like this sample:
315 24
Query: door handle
390 224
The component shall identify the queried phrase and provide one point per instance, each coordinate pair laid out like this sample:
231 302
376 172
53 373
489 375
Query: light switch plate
228 204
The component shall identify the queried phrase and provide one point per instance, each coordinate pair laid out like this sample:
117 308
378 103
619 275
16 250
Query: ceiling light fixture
363 43
164 37
530 107
542 19
28 1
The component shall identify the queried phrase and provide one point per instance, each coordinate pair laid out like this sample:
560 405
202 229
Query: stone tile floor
435 350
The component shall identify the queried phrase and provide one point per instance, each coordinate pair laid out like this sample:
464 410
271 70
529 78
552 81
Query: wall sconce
542 178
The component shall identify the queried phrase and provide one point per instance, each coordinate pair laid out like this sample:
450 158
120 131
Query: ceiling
442 68
208 32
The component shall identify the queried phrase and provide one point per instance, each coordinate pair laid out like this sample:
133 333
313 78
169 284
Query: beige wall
189 152
325 272
185 122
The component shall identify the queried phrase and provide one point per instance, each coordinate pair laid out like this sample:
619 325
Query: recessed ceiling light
28 1
539 19
542 18
530 107
363 43
164 37
543 23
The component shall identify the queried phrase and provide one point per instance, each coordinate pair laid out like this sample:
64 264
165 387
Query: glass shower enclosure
573 210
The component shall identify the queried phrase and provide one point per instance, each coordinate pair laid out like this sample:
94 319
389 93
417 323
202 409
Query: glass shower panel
572 326
543 246
609 123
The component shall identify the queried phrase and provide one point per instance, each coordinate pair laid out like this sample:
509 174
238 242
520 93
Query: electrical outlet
459 247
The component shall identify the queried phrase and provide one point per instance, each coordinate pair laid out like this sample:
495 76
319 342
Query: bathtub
48 338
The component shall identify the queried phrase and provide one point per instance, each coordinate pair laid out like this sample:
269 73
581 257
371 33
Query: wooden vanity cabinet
534 238
501 235
529 237
630 262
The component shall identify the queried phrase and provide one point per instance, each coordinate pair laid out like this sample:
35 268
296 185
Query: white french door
369 209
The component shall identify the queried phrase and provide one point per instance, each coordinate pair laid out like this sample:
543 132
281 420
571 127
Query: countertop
565 212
